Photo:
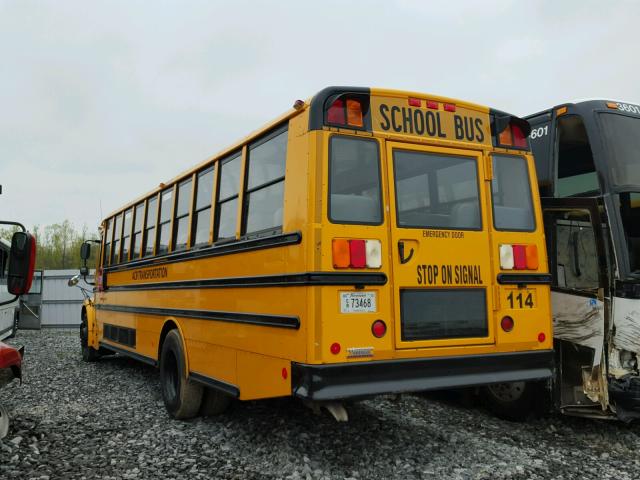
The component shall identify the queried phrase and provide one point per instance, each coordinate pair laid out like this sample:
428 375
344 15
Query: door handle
403 260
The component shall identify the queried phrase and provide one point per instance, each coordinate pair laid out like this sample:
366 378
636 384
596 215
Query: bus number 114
520 300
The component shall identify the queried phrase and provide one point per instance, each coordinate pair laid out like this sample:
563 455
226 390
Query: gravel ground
107 420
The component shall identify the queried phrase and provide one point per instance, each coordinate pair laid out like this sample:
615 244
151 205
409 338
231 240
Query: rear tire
513 401
214 403
182 398
89 354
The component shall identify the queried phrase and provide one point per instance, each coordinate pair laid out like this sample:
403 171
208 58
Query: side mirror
73 281
85 251
22 259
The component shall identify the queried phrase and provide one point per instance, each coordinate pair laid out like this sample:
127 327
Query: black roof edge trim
524 278
500 120
316 108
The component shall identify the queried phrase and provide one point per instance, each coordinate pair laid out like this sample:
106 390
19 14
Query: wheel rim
171 382
507 392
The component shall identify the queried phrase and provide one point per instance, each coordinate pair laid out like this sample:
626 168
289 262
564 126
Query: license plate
518 298
357 302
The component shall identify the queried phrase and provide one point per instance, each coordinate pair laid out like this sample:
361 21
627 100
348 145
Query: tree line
58 245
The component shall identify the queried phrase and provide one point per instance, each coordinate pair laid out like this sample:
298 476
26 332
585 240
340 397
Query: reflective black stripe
523 278
283 280
224 387
129 353
232 317
213 251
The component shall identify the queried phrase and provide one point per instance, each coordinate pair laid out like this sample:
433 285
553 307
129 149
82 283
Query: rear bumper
353 380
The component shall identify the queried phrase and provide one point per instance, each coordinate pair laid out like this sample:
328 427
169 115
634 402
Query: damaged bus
587 156
367 241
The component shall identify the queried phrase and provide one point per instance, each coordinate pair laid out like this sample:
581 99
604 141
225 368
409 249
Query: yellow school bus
367 241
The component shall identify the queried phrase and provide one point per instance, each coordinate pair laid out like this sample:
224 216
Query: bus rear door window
436 191
354 181
511 191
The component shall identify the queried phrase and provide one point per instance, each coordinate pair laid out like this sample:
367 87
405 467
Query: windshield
622 134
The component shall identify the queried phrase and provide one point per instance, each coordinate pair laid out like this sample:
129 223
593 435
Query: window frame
124 234
329 183
213 167
145 239
176 219
171 188
271 231
141 231
238 154
115 260
533 209
476 160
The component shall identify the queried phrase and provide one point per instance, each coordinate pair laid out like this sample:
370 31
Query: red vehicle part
10 368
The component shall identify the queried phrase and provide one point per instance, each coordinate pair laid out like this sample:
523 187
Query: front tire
513 401
182 398
89 354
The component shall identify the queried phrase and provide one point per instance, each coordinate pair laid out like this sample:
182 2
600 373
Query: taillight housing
348 110
518 257
510 132
356 253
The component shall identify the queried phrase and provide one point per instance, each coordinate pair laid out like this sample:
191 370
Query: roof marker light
449 107
613 105
415 102
432 104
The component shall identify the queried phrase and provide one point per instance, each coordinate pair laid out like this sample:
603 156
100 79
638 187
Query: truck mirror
85 251
22 259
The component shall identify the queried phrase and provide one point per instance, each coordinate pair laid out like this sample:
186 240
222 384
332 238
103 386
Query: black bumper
362 379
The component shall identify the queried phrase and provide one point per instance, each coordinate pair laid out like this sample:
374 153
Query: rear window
354 181
436 191
511 191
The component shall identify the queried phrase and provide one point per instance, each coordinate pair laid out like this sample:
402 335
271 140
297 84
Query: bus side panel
260 376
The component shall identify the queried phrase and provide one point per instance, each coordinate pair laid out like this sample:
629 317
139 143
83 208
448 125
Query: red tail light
379 329
335 348
519 140
519 257
336 113
358 253
507 323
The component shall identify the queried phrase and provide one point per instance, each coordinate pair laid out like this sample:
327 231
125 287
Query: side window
137 231
354 181
264 197
228 197
181 222
511 193
164 225
116 240
107 241
150 226
202 212
573 246
576 171
4 267
126 235
436 191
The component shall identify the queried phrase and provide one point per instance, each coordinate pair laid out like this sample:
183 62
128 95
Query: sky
100 101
